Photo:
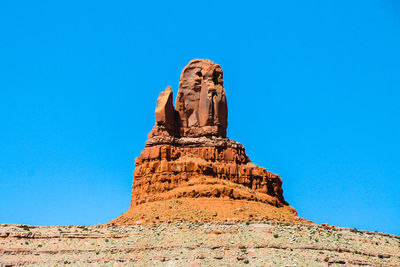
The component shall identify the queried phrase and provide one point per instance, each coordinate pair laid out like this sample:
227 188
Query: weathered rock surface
201 100
201 107
201 167
187 154
165 113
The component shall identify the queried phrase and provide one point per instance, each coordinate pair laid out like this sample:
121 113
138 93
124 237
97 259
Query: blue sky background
312 87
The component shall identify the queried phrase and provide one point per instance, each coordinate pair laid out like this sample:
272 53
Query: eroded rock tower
190 170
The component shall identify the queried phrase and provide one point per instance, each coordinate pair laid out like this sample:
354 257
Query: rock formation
187 154
201 108
201 100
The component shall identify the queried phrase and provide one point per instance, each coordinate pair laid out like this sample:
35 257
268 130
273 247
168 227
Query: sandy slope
205 210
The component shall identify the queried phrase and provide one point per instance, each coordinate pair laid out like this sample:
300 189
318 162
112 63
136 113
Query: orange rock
201 100
165 113
187 154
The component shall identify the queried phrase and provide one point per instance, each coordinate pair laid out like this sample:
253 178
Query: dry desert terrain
266 243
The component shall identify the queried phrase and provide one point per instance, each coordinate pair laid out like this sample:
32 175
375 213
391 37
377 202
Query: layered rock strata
187 154
174 167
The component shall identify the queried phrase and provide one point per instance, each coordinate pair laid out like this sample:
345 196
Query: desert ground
255 243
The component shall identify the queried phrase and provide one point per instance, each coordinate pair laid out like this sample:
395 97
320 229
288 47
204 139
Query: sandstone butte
190 171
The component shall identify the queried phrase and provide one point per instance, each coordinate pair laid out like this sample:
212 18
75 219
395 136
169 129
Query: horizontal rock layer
167 164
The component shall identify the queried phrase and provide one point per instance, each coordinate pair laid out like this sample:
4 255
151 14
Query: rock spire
187 156
201 107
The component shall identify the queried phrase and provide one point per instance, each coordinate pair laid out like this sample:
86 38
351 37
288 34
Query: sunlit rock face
201 101
200 107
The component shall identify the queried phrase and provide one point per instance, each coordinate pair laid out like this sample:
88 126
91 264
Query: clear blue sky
312 87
